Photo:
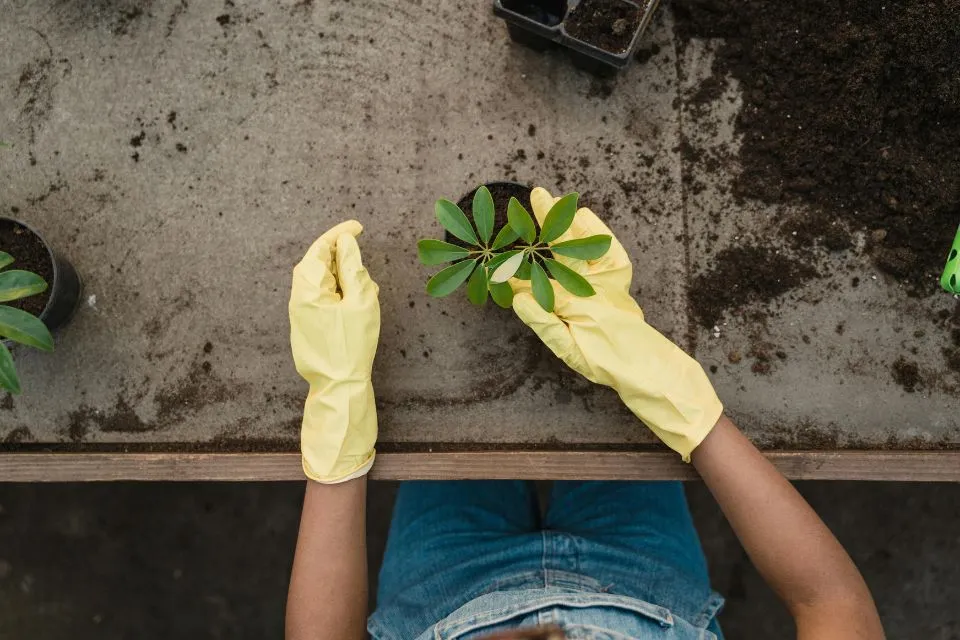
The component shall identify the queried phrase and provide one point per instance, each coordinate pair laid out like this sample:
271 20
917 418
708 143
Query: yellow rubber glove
334 329
605 339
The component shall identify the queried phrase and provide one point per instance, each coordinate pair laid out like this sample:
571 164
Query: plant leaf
542 289
477 287
589 248
509 267
506 236
447 281
500 258
20 326
569 279
559 218
8 372
502 294
20 284
455 221
483 213
433 252
521 221
523 273
5 259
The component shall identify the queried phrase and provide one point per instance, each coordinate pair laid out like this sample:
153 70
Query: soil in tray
606 24
853 107
29 254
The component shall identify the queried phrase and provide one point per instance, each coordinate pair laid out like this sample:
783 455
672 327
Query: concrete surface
183 156
165 560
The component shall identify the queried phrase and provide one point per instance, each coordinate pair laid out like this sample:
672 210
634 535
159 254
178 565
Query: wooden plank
926 466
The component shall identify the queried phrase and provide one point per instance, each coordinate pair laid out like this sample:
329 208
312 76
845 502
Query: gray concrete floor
212 560
184 155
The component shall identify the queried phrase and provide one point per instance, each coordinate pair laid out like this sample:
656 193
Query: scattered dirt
851 106
18 435
607 24
7 403
29 254
742 275
121 418
906 373
198 389
818 228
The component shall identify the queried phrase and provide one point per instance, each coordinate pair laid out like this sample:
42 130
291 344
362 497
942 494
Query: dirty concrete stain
19 435
174 403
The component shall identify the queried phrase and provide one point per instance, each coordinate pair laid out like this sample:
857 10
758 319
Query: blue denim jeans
607 560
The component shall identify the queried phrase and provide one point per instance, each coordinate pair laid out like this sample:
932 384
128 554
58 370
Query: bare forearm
791 547
328 587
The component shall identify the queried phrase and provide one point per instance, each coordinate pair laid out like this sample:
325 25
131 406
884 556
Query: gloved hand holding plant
594 324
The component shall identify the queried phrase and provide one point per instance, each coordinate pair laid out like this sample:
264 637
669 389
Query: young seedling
517 251
18 325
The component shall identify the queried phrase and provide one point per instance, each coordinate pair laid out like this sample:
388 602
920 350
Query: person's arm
328 586
334 330
791 547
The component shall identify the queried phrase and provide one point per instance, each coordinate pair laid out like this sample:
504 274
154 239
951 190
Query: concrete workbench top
184 157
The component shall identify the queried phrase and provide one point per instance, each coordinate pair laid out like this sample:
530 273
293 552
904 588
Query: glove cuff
339 431
346 470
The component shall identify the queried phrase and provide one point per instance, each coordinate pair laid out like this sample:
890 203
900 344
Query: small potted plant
486 254
35 299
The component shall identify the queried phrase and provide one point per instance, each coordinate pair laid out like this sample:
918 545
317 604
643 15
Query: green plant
18 325
517 250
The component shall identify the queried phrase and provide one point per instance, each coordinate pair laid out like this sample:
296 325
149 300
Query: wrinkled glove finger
355 281
314 278
541 202
552 331
322 247
613 271
586 223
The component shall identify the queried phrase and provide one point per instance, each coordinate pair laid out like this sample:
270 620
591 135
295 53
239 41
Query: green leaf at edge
504 237
559 218
17 284
446 281
502 294
542 289
8 372
20 326
521 221
483 213
589 248
569 279
432 252
477 287
452 218
5 259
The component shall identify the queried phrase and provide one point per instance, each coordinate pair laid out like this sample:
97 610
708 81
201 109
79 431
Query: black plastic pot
65 290
500 215
541 24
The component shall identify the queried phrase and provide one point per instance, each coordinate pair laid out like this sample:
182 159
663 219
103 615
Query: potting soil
853 107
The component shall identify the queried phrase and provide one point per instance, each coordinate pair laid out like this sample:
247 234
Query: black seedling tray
540 24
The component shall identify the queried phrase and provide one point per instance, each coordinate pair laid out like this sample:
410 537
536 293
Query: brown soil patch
850 106
742 275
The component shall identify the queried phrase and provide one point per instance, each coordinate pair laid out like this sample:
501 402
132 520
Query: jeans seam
543 559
